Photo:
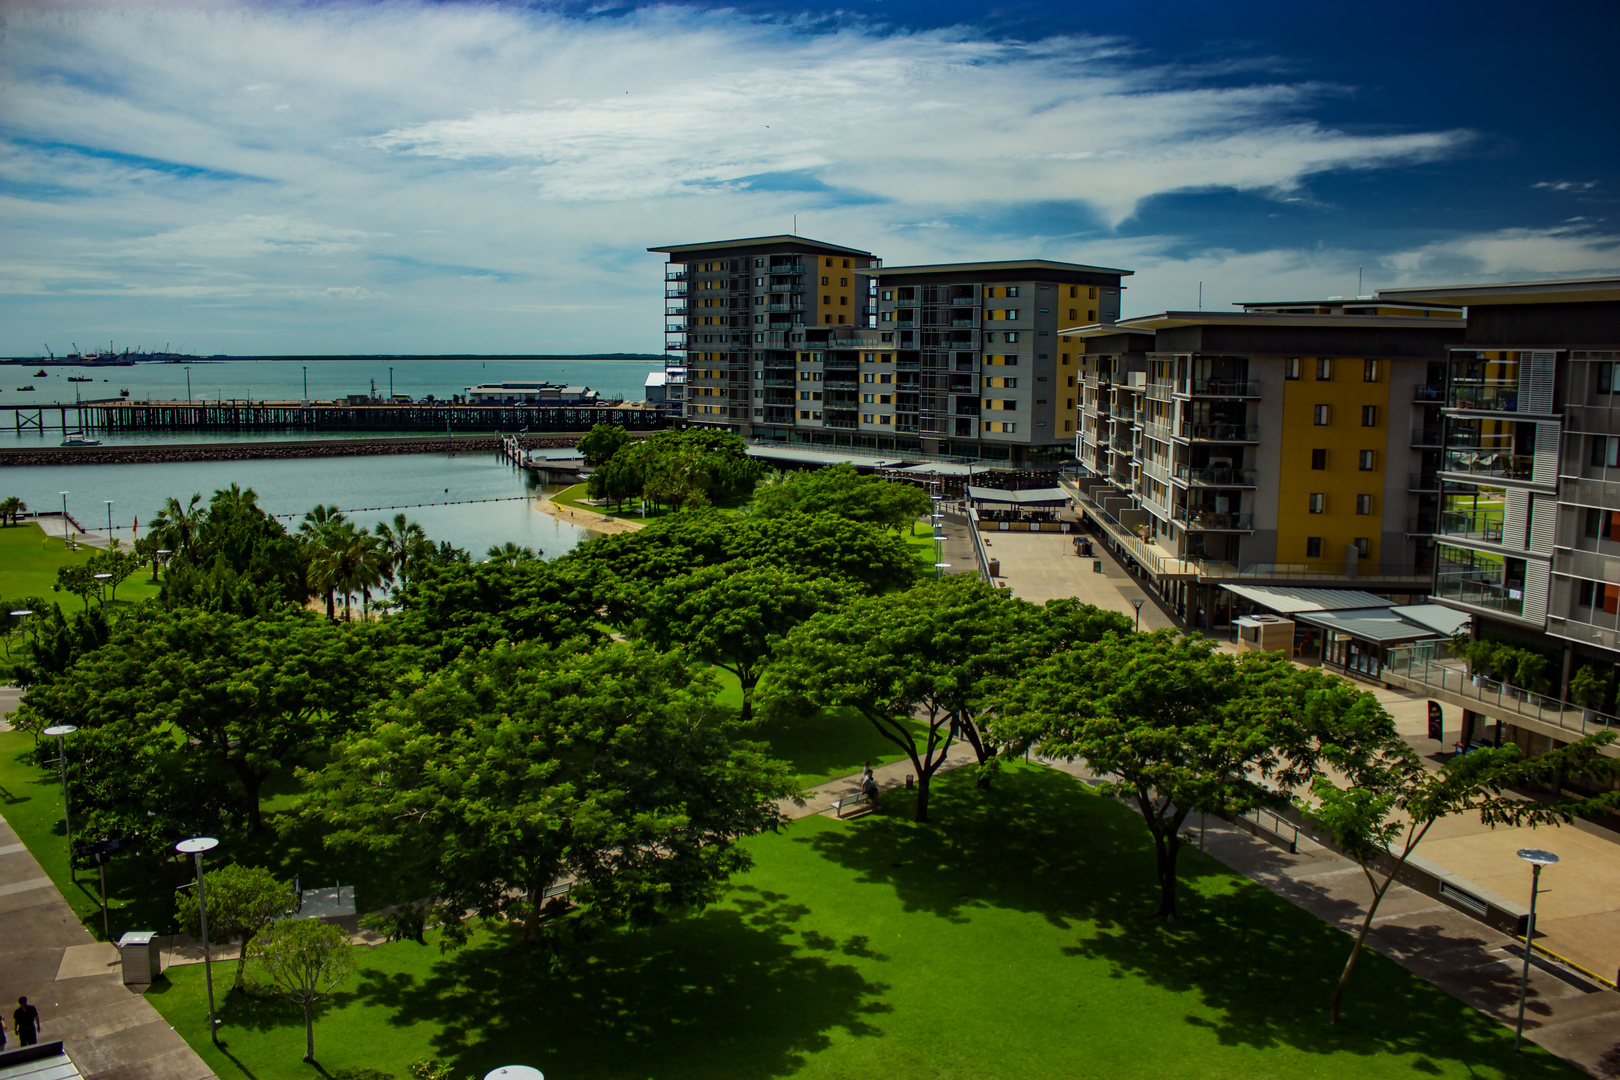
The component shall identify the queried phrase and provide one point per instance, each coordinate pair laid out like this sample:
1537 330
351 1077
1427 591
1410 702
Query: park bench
855 804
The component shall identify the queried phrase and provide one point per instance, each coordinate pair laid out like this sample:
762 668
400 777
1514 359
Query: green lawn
1010 939
28 563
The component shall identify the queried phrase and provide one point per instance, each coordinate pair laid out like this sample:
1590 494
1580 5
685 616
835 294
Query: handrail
1424 669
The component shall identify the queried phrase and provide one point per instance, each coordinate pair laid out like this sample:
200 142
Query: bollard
911 781
1096 566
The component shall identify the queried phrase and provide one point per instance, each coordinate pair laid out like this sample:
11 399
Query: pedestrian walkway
110 1031
1043 566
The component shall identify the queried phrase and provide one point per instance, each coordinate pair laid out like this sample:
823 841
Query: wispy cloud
483 176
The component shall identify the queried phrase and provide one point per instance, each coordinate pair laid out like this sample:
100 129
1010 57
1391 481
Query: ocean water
283 380
289 488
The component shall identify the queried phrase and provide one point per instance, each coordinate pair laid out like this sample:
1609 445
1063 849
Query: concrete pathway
109 1031
1043 566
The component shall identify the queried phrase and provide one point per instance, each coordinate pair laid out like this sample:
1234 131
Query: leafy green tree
693 469
78 579
405 546
1392 799
905 661
242 901
734 614
118 564
304 960
229 554
525 766
176 526
247 695
471 606
842 490
1181 728
511 552
602 442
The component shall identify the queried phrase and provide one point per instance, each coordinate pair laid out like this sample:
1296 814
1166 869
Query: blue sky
417 177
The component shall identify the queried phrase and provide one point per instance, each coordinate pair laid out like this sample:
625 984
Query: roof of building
656 378
1382 625
1169 320
1350 301
1012 264
42 1061
805 456
1027 497
1287 601
1553 291
780 240
1444 620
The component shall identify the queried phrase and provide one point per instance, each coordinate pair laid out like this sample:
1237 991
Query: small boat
77 438
41 374
123 393
80 378
30 386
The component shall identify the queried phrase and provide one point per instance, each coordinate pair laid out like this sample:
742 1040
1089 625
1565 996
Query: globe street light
101 583
61 732
160 555
515 1072
195 848
1537 859
21 615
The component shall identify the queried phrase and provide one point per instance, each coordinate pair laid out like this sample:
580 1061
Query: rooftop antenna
1200 296
795 224
1358 281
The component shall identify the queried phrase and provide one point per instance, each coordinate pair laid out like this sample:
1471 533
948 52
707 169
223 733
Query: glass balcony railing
1217 477
1220 432
1225 388
1484 526
1493 463
1484 397
1213 520
1427 436
1435 395
1469 588
786 268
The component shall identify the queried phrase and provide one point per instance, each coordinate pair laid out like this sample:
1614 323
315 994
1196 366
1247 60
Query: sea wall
247 451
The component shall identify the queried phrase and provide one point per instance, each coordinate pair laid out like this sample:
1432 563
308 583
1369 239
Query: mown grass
1012 938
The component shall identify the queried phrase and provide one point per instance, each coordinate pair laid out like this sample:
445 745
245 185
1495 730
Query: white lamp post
1537 859
101 583
61 732
515 1072
21 615
195 848
67 533
109 503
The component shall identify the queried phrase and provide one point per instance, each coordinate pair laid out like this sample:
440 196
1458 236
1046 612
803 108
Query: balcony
1158 391
1217 477
1429 395
782 305
1422 482
846 425
1226 388
674 288
1486 397
1197 520
785 287
839 384
779 380
964 324
1423 437
786 268
676 309
1495 464
1482 526
1468 588
674 275
1422 525
1220 433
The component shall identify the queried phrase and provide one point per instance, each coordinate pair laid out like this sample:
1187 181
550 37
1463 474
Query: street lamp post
109 503
61 732
1537 859
67 531
160 555
101 586
515 1072
1137 602
195 848
188 384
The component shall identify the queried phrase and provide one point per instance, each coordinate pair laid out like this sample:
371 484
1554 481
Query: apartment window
840 320
1010 313
1074 290
1091 294
885 399
824 318
887 316
829 262
886 337
1012 290
1313 547
1588 593
824 279
888 294
815 395
868 418
1363 504
759 318
843 282
1072 314
1291 368
826 301
1091 315
758 263
1605 382
868 399
868 377
1363 547
1369 371
1318 459
804 414
1324 369
1318 503
1605 451
844 300
1369 416
1011 338
846 264
804 395
886 377
1069 403
1367 461
1322 414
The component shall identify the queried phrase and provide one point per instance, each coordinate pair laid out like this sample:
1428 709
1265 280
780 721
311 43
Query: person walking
25 1022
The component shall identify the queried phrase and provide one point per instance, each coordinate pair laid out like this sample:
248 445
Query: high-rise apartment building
739 312
1288 442
1529 526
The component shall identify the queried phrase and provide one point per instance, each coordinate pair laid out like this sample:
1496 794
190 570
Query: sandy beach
587 519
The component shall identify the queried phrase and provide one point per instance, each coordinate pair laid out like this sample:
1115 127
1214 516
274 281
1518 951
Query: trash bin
141 958
1096 566
995 567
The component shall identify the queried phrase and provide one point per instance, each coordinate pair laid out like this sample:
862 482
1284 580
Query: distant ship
30 386
81 378
41 374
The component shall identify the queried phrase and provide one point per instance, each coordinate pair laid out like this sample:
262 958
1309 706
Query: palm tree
10 506
510 553
176 527
321 530
364 567
406 545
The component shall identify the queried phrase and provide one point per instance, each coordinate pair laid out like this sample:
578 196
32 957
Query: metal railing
1211 477
1494 463
1468 589
1485 527
1417 664
1429 394
786 268
1225 388
1214 520
1220 432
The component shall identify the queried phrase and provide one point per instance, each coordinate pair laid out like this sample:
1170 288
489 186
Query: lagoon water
289 488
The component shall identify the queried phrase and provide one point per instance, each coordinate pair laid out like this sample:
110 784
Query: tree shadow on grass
727 993
1258 971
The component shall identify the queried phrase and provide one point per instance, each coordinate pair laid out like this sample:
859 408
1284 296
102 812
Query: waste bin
995 567
141 958
1096 566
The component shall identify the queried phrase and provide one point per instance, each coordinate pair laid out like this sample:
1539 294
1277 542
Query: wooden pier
121 415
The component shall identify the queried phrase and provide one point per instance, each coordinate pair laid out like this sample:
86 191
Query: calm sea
285 380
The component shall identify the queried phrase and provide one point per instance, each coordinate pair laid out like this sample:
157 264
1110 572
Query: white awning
1289 601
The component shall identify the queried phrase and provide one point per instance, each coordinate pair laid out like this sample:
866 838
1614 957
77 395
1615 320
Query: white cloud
1512 253
488 177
